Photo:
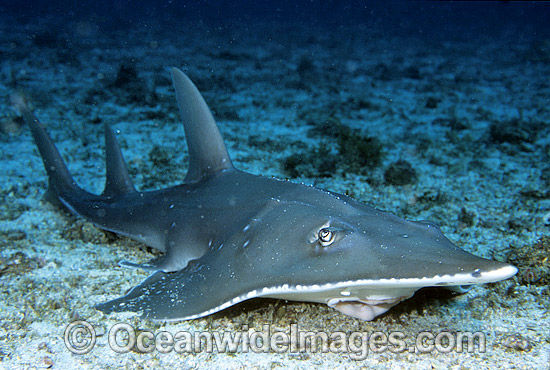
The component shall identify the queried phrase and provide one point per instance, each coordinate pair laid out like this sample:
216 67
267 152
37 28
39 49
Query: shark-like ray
228 236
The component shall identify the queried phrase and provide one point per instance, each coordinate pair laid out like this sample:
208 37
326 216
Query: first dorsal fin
118 181
207 152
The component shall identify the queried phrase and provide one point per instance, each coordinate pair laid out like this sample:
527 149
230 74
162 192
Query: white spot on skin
232 201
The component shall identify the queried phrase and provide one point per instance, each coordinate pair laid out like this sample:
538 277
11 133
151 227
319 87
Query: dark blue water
432 19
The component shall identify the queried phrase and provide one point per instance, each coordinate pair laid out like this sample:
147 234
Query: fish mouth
365 309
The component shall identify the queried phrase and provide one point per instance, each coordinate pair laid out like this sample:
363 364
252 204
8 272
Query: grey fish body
228 236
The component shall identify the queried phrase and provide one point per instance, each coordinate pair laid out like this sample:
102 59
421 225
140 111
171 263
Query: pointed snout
388 247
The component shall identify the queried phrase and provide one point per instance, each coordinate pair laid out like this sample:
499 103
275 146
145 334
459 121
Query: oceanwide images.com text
80 338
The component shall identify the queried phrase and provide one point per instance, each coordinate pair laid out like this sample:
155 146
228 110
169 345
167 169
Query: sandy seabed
471 118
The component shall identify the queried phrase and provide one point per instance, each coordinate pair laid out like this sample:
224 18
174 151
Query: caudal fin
60 180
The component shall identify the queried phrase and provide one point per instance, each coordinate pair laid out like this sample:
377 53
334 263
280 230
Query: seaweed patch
533 261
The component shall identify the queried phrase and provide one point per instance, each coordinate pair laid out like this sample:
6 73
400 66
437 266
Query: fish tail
60 181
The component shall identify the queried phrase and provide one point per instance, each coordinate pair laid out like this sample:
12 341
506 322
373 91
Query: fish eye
326 237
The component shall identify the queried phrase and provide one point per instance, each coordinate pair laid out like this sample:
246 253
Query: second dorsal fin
117 180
